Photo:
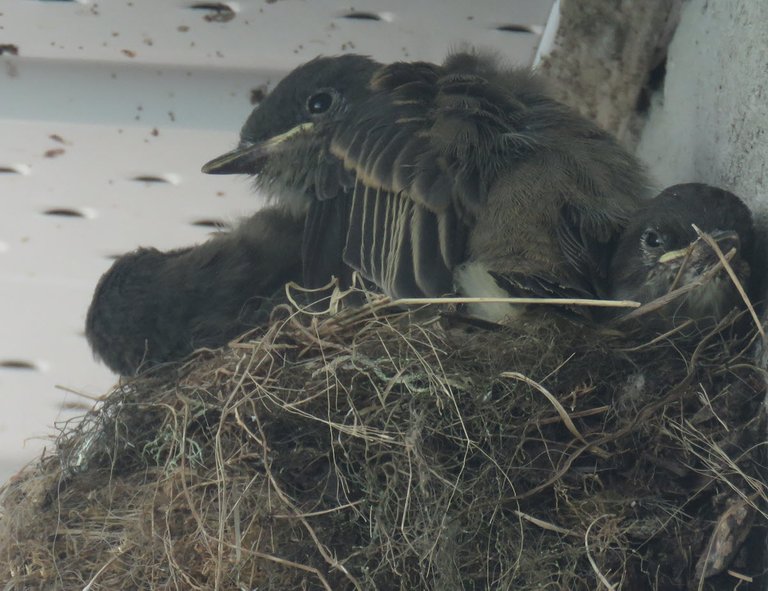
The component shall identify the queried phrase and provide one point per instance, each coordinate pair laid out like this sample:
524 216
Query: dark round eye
652 239
319 102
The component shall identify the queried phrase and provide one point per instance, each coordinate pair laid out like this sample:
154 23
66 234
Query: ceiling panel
104 95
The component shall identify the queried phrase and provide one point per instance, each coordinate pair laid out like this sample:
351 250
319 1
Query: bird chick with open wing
429 179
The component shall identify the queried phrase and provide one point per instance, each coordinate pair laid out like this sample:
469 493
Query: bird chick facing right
661 251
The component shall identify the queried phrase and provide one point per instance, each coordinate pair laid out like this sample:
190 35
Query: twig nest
363 451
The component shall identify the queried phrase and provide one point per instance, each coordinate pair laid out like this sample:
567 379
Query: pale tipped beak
248 158
241 160
726 240
673 255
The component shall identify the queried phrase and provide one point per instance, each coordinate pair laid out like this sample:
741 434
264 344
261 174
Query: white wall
710 121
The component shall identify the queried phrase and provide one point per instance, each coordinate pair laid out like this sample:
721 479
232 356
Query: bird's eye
319 102
652 239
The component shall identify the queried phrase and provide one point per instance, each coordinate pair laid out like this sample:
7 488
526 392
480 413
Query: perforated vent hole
65 212
149 179
218 12
362 16
209 223
18 364
513 28
14 169
156 179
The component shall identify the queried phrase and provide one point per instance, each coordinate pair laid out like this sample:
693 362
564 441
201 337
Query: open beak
248 158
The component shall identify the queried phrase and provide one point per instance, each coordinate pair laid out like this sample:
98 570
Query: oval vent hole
11 170
64 212
217 11
362 16
17 364
216 224
511 28
150 178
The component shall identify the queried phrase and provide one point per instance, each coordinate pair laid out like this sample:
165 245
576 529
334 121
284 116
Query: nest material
365 451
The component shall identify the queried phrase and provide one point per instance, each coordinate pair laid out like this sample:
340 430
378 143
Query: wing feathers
425 149
436 134
323 242
433 275
419 148
382 166
405 249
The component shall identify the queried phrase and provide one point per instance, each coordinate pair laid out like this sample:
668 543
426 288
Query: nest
365 450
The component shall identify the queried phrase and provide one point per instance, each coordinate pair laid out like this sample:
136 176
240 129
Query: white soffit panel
107 111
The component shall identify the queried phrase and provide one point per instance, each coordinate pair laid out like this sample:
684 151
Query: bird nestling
153 307
429 179
661 251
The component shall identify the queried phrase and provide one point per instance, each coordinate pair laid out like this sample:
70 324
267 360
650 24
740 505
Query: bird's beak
242 160
726 240
667 257
249 157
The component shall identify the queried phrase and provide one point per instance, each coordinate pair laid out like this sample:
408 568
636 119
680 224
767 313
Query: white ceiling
103 93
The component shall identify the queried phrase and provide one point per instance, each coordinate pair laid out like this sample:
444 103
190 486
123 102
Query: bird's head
285 140
661 250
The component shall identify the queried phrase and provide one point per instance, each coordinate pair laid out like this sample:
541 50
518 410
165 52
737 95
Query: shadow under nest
364 451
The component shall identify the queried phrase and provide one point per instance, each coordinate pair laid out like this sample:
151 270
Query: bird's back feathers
433 145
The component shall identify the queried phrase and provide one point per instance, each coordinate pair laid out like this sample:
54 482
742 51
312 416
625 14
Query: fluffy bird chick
429 179
153 307
661 251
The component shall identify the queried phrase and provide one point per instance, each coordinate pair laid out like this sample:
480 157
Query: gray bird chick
155 307
429 179
661 251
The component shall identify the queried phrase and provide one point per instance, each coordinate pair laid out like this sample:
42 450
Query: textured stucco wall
708 122
602 55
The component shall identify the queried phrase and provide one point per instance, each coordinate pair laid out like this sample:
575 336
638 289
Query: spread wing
422 149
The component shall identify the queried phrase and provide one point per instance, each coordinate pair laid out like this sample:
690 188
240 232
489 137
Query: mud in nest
363 451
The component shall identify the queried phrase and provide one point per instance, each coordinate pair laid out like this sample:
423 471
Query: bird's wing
527 285
403 247
323 241
587 253
421 149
